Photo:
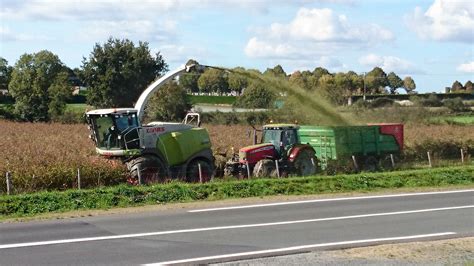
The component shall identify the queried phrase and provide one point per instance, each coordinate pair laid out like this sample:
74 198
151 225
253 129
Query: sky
429 40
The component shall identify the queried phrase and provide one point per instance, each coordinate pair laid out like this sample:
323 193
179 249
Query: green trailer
369 146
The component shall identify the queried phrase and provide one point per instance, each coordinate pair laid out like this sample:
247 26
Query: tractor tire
192 171
371 164
305 163
146 170
264 168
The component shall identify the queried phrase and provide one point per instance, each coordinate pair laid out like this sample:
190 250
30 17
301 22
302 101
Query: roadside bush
256 95
455 105
381 102
431 101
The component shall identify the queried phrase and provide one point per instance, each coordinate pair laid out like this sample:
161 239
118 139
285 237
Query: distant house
76 90
3 92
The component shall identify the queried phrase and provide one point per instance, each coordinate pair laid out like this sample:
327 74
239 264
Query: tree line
117 71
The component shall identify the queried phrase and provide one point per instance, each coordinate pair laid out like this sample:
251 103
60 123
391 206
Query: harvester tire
192 171
150 169
305 163
264 168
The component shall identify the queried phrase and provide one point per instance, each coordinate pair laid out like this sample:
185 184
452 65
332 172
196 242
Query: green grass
198 99
127 196
461 119
78 107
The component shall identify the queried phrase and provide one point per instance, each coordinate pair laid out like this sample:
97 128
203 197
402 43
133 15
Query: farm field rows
47 155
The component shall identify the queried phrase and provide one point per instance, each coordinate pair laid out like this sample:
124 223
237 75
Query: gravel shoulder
458 251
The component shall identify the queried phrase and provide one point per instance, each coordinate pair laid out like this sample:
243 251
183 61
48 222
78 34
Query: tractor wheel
305 163
371 164
149 169
264 168
192 171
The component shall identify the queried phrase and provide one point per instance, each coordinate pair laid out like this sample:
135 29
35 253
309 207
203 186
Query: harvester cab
283 137
115 131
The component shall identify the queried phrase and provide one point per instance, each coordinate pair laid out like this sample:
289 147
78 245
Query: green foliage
205 99
276 72
409 84
237 82
189 81
170 103
376 80
213 80
394 82
256 95
5 73
40 86
334 88
118 71
125 196
455 105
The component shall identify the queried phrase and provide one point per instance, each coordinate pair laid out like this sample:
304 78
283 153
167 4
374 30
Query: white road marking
331 199
298 248
99 238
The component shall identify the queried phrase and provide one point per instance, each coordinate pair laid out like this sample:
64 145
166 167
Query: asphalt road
223 234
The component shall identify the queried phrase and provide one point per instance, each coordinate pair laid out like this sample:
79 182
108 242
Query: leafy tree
189 80
213 80
256 95
40 86
237 82
277 71
376 80
457 86
469 86
169 103
5 73
298 79
117 72
394 82
357 82
409 84
319 72
331 91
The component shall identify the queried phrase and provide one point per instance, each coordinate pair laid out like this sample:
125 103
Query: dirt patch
450 251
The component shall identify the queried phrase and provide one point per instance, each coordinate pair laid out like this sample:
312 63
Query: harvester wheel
192 172
149 168
264 168
306 163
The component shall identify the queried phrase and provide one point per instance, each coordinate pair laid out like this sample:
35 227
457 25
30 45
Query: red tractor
280 153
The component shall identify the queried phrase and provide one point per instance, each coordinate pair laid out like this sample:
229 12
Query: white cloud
131 29
389 64
112 9
467 67
313 32
6 35
444 20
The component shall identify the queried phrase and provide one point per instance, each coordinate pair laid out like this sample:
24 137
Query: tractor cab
282 136
114 131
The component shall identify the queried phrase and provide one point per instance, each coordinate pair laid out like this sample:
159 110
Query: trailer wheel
192 172
371 164
264 168
148 168
305 163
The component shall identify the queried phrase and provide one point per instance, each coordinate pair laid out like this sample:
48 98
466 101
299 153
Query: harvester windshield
115 130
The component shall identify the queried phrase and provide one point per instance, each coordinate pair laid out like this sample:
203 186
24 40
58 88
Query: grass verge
127 196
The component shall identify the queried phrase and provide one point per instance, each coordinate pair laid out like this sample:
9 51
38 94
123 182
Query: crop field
47 155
